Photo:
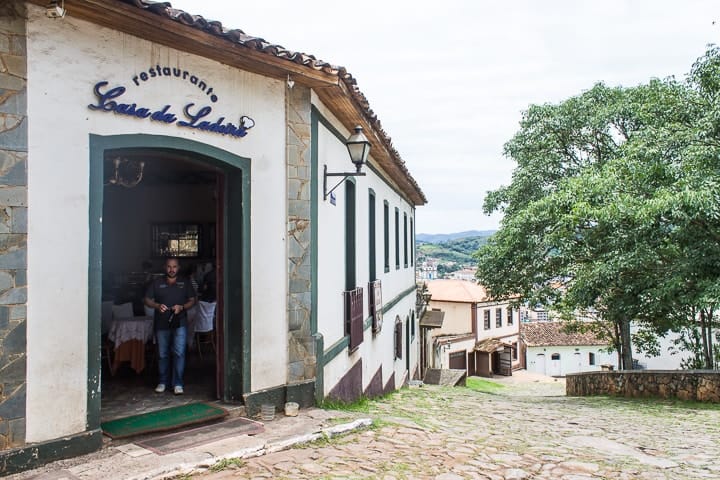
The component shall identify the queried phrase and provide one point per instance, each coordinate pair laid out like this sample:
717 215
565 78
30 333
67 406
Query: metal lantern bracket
358 148
345 176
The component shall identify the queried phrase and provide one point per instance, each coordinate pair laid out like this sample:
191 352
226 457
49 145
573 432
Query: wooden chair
205 326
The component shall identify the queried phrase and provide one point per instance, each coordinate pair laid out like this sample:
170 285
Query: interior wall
130 212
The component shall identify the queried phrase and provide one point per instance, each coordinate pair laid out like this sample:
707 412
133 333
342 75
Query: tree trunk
704 331
627 362
711 317
618 344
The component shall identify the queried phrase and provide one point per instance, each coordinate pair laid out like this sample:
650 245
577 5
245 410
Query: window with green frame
372 260
386 235
405 240
397 239
412 242
350 250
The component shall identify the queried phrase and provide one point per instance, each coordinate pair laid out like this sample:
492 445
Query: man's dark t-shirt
170 294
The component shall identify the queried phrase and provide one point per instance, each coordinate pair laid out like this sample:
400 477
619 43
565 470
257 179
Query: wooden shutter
398 338
354 316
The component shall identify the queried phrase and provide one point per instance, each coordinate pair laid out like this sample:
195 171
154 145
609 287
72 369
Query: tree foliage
614 207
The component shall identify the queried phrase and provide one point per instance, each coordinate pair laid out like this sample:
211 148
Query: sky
449 80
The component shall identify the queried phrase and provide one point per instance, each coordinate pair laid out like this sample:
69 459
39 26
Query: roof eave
334 85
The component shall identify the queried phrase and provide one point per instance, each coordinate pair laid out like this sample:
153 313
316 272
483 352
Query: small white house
548 350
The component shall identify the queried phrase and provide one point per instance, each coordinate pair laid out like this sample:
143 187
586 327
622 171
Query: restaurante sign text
195 117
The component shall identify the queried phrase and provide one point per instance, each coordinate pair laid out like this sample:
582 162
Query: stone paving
527 430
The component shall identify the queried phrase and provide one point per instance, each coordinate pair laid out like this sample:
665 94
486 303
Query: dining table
128 337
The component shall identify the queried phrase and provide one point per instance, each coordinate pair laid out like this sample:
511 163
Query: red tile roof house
478 334
547 349
130 131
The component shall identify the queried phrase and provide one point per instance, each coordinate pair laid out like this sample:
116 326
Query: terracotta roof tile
237 36
490 345
456 291
538 334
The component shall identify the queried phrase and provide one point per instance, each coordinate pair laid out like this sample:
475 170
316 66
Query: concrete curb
200 465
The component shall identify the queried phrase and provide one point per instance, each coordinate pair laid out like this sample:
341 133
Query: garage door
457 360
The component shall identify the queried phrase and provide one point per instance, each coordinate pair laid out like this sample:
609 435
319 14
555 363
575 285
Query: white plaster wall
376 349
568 363
669 359
444 351
457 319
494 332
65 59
331 239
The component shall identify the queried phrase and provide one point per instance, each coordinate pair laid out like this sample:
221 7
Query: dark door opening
175 209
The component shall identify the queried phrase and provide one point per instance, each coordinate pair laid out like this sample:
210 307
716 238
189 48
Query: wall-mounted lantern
358 147
55 9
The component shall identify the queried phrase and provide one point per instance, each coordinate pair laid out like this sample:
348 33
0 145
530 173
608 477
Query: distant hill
457 251
444 237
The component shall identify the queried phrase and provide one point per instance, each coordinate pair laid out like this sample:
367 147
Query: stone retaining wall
700 385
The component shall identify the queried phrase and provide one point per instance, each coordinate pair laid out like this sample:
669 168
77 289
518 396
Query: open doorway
158 203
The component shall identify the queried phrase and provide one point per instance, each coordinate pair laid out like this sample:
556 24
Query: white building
477 334
226 140
548 350
427 271
467 274
670 356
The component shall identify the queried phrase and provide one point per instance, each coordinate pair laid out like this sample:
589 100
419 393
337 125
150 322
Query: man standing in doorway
171 297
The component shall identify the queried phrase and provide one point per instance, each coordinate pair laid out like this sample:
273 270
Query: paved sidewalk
123 460
525 428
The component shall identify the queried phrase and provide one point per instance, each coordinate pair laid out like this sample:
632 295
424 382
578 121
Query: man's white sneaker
178 390
160 388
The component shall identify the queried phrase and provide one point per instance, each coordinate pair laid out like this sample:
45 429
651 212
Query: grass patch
226 463
320 442
481 385
361 405
379 423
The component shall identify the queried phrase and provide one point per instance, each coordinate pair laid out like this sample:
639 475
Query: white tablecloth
134 328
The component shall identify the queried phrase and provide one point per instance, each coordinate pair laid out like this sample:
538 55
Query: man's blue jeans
171 341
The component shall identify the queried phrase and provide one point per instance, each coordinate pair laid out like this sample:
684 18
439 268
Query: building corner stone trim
13 224
302 359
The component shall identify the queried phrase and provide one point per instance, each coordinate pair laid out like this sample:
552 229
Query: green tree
614 208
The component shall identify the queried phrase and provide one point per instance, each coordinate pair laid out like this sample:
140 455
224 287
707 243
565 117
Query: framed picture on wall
375 304
176 240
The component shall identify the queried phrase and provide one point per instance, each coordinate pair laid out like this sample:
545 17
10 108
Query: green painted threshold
162 420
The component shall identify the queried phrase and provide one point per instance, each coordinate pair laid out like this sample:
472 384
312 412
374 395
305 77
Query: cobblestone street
523 430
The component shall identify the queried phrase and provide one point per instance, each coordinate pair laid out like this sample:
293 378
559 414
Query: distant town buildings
427 270
466 274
